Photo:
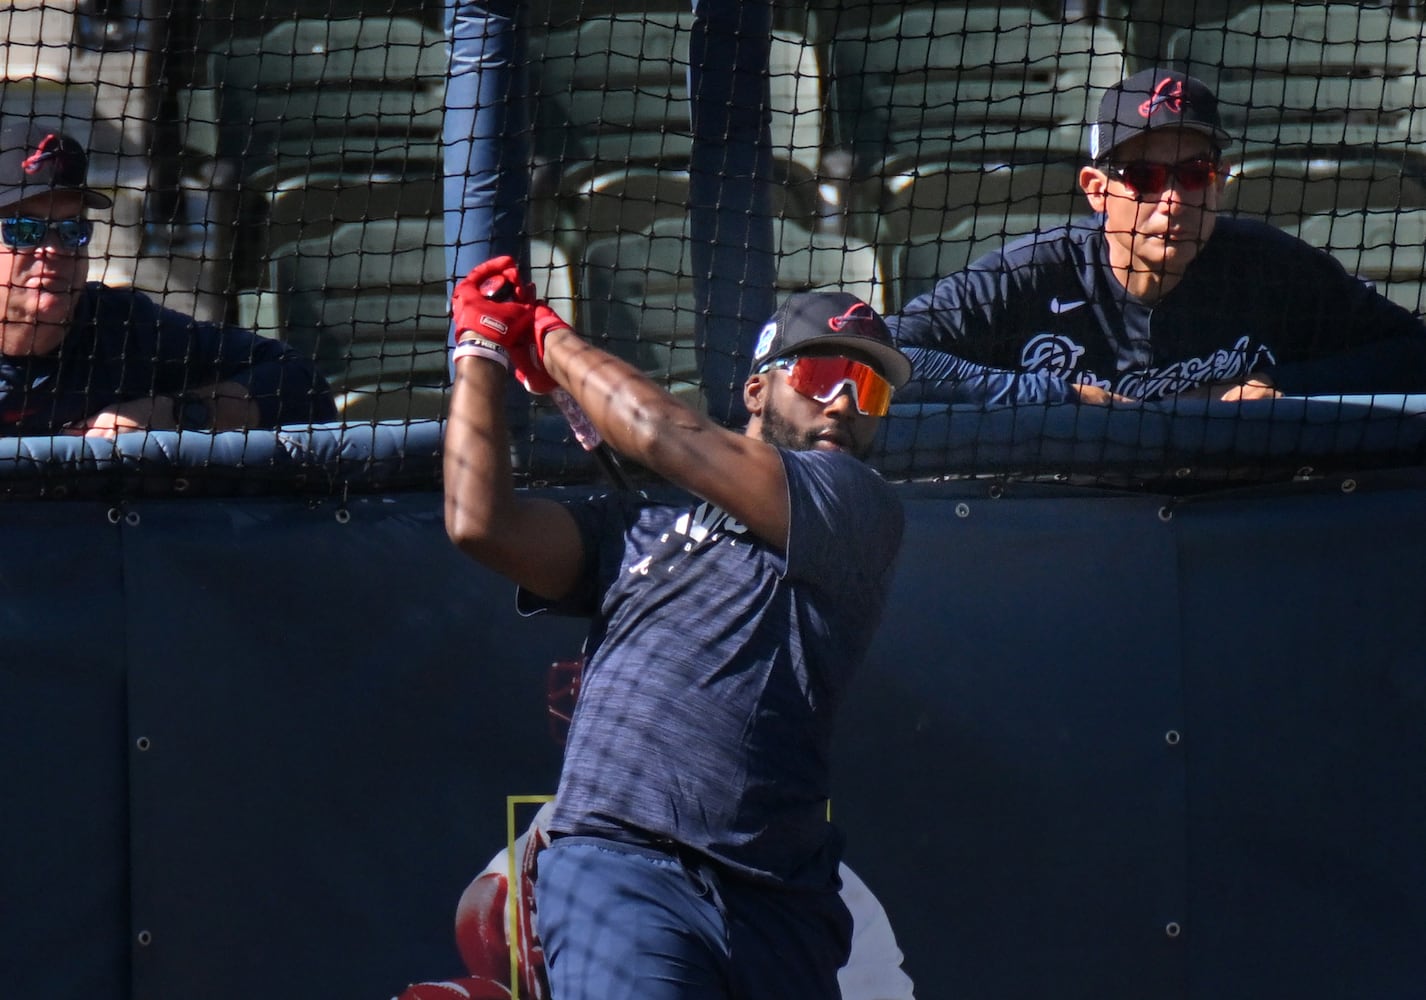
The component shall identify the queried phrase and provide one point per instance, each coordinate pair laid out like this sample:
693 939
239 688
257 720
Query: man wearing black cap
1156 297
691 854
79 357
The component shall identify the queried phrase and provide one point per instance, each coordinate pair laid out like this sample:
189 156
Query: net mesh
321 172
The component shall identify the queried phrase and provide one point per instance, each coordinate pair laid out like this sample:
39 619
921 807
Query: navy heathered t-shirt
716 664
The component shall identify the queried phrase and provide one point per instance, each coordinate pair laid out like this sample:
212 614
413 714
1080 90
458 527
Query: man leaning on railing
79 357
1156 298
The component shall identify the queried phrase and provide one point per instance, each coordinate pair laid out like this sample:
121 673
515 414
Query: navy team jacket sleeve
1363 342
160 351
978 304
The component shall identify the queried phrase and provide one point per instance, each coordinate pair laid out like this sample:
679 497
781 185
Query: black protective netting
319 173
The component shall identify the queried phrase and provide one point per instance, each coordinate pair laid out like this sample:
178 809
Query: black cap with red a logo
36 157
830 319
1153 99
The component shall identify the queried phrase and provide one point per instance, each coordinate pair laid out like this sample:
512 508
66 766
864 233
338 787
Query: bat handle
584 431
590 438
497 288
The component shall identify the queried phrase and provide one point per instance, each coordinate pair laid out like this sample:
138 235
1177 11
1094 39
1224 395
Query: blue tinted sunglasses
24 233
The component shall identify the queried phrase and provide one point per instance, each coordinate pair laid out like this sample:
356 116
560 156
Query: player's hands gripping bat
493 295
492 306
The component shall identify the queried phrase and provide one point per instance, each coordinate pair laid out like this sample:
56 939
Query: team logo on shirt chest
1057 354
703 525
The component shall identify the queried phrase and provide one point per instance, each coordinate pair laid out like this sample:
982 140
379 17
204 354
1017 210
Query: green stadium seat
1312 75
934 218
318 91
1284 188
1147 25
1387 248
613 90
629 200
611 111
367 301
638 299
921 263
316 98
553 277
992 83
313 204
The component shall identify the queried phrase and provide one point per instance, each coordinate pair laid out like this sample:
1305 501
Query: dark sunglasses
24 233
1148 179
822 380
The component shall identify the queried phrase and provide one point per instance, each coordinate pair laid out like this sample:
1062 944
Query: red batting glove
546 319
528 363
492 303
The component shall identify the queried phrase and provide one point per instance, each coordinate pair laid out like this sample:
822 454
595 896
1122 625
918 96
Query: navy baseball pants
620 922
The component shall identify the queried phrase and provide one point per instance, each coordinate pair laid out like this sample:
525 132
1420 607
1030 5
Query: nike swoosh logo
1056 306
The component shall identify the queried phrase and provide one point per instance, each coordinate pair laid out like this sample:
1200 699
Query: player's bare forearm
632 412
643 421
640 419
527 539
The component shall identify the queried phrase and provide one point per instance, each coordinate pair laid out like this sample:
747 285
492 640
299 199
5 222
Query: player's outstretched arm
641 420
530 540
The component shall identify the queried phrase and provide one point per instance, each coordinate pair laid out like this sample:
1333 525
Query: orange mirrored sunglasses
822 379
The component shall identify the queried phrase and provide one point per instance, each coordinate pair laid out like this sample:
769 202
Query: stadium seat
312 204
628 200
638 299
990 83
934 218
367 301
553 277
1312 75
1147 25
613 90
610 94
71 103
330 90
316 97
1387 248
921 263
1283 188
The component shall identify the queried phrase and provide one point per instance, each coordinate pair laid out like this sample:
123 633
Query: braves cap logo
765 340
859 320
50 148
1168 95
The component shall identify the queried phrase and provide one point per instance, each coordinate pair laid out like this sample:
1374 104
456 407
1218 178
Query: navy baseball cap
36 157
831 319
1153 99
